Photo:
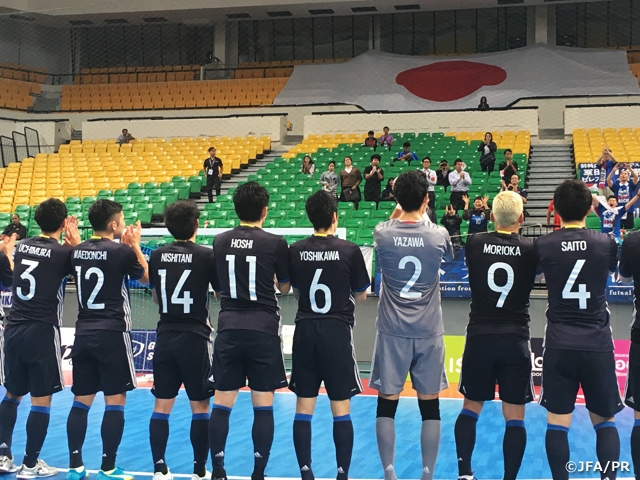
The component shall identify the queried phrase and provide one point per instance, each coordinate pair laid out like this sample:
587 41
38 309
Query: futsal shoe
115 474
41 469
77 473
163 476
219 474
207 476
7 465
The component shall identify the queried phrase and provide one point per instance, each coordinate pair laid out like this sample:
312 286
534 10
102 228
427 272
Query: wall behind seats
47 131
601 116
453 121
191 127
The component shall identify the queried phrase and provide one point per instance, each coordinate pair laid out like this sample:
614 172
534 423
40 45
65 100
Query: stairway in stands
550 164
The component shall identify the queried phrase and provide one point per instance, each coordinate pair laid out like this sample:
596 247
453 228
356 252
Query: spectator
610 217
556 218
406 154
508 167
459 181
623 189
14 227
432 180
350 178
478 216
213 172
308 167
125 137
443 173
373 176
605 163
370 141
386 140
488 155
452 221
483 104
514 186
329 179
387 193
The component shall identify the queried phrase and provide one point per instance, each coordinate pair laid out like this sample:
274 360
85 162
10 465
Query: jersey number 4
582 295
186 301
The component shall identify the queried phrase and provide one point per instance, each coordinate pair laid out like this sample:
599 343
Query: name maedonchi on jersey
90 254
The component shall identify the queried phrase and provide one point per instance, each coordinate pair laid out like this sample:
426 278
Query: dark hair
406 144
612 196
332 162
385 127
478 197
572 200
376 156
101 213
14 213
489 133
483 99
320 208
443 162
50 215
210 148
249 201
410 189
507 150
181 218
349 157
370 132
457 161
389 182
427 158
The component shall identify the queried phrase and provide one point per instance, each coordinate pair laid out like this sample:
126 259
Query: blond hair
507 208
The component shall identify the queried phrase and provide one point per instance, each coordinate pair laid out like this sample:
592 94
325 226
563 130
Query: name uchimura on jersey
37 251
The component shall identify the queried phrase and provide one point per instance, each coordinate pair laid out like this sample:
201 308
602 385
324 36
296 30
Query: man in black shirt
248 345
213 172
15 227
328 275
502 270
102 355
373 176
630 271
576 263
180 274
32 337
508 167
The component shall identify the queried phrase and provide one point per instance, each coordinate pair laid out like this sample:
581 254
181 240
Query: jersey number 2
92 298
406 290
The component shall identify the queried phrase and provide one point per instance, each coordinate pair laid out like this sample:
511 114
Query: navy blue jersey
181 273
577 263
101 268
326 271
6 276
247 259
41 266
502 270
630 268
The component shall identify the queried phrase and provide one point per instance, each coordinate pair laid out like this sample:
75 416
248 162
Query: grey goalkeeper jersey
410 254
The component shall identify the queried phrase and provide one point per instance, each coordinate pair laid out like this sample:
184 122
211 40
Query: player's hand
8 243
132 235
71 232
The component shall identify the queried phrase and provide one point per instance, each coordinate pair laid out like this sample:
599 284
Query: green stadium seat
367 205
386 205
5 218
140 199
371 223
345 205
134 186
269 223
120 191
226 223
152 191
130 218
196 184
216 214
150 185
357 223
171 194
184 189
159 203
381 215
593 222
206 240
636 223
212 206
145 212
122 198
71 200
129 207
88 200
286 223
304 223
296 214
104 193
277 214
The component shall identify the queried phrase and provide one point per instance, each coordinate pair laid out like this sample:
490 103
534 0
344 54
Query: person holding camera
442 173
373 176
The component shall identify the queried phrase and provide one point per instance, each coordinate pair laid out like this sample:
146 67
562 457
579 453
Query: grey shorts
395 357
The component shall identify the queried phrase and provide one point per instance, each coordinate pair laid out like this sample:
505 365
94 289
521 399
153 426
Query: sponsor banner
143 343
621 352
453 350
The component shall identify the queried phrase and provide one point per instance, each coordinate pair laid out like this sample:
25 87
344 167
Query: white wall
611 116
495 120
195 127
47 131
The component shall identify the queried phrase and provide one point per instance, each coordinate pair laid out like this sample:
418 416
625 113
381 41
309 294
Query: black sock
218 432
76 431
37 425
200 442
158 437
465 434
607 447
8 416
513 445
343 439
112 429
262 434
302 443
635 447
557 446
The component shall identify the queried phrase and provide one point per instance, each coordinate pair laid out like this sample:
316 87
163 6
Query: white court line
185 475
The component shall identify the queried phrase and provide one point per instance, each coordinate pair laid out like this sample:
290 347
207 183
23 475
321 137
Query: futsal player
502 270
409 336
101 354
576 263
248 345
328 275
32 352
180 274
630 270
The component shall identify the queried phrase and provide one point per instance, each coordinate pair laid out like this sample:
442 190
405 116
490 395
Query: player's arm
139 270
283 270
631 202
360 279
7 246
627 253
448 248
71 232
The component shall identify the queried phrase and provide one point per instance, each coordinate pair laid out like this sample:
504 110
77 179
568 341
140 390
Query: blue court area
135 455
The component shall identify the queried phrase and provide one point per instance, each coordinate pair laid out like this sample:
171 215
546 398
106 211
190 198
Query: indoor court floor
135 455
